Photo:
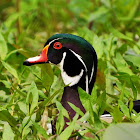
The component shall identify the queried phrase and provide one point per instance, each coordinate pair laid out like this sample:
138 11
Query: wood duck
77 61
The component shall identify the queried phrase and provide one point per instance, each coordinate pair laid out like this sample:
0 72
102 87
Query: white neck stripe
92 72
80 58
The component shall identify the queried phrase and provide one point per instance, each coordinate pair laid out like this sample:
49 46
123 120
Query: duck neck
71 95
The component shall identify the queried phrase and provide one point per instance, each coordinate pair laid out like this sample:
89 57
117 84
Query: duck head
75 57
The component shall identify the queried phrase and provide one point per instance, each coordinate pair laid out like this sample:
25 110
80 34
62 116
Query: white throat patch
68 80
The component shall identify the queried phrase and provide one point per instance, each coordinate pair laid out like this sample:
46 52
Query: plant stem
18 20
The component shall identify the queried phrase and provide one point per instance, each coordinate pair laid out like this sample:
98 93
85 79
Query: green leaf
101 102
67 132
119 34
42 94
10 69
21 93
33 97
130 82
122 92
48 100
117 114
47 76
94 118
131 104
12 52
22 107
26 124
26 131
94 94
85 117
101 11
7 132
97 122
40 130
91 113
62 109
136 81
6 83
76 109
34 91
25 121
60 123
3 47
124 108
84 97
121 64
98 46
6 116
11 19
134 59
122 131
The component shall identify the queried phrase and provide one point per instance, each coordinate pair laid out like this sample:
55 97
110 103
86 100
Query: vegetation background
29 96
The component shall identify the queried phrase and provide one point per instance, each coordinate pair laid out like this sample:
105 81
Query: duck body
77 61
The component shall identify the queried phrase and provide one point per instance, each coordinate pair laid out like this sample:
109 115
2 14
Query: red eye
57 45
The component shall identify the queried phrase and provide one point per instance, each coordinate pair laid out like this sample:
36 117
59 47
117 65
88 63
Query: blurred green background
111 26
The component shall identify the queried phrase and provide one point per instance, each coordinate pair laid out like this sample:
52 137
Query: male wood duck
77 61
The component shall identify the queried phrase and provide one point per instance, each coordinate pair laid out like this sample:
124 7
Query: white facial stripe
92 72
54 40
80 58
68 80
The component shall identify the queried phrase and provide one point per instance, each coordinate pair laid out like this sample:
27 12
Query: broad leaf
62 109
47 76
6 116
32 97
67 132
119 34
98 13
76 109
134 59
124 108
60 123
3 47
117 114
8 133
122 131
26 124
121 64
48 100
10 69
40 130
85 98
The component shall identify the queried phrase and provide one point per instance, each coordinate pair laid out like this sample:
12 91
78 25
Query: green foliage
8 133
67 132
112 27
122 132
